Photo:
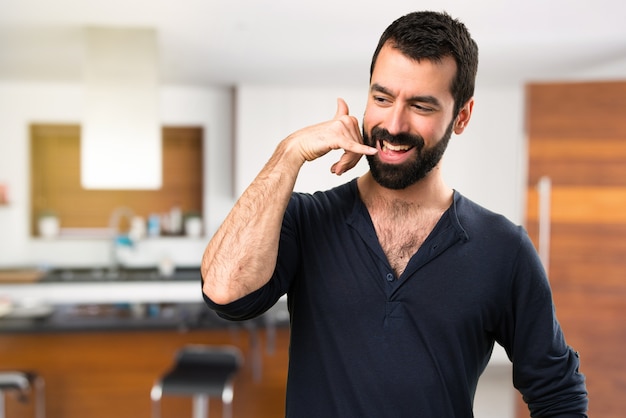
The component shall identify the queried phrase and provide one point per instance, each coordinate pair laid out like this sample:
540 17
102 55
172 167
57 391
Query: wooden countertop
20 275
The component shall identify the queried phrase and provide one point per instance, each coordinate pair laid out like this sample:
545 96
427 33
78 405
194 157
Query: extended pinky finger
347 161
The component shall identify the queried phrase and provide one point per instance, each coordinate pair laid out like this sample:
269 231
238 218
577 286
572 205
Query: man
397 285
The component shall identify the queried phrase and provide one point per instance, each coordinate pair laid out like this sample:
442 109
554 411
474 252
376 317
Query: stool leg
200 406
1 404
256 352
227 400
155 396
40 400
156 409
270 331
227 411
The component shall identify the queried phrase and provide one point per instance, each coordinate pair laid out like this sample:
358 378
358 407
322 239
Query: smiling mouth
386 146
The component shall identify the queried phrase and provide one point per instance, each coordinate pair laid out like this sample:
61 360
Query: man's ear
464 116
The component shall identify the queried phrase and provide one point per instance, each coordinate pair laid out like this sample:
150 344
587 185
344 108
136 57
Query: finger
347 161
342 108
350 158
354 148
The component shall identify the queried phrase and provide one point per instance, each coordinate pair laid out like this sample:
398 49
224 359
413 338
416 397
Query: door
577 140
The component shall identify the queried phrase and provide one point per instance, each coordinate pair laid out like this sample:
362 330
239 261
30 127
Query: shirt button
390 277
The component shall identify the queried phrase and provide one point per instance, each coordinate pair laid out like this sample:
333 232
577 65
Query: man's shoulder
342 195
474 216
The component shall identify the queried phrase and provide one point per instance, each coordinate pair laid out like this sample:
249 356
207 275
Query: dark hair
433 36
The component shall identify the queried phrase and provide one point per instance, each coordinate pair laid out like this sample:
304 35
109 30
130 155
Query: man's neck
430 192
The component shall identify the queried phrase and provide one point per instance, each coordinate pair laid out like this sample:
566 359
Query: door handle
544 188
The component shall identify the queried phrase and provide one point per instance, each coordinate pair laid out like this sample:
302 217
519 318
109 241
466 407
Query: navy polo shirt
365 343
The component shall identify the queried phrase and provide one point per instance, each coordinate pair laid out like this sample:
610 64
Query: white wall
24 103
485 163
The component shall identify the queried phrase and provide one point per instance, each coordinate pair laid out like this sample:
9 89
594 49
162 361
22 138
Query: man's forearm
241 256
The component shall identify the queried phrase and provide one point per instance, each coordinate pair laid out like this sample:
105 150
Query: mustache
382 134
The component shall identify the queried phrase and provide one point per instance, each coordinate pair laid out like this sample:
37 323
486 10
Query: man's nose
397 120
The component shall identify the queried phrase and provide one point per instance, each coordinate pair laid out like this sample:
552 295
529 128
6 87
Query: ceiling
230 42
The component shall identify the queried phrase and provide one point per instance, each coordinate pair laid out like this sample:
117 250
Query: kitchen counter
126 299
69 286
121 317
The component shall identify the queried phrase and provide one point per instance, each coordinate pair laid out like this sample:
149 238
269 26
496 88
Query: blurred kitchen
129 128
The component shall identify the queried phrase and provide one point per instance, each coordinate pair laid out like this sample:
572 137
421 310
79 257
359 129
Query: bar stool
201 372
22 383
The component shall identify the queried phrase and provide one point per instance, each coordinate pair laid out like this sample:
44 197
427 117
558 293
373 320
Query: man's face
408 117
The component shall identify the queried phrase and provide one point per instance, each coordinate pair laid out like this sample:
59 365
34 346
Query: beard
401 176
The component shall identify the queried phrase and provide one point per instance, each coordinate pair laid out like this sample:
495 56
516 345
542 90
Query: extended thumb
342 108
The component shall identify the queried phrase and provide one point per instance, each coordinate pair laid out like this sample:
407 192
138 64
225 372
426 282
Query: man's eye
421 108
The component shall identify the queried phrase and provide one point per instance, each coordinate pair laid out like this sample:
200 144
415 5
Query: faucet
116 237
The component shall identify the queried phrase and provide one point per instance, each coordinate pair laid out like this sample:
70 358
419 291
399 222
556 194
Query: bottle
176 220
154 225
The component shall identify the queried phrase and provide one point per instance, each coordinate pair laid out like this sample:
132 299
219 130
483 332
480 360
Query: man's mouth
386 146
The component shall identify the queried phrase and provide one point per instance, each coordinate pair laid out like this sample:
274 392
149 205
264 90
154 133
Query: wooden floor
104 375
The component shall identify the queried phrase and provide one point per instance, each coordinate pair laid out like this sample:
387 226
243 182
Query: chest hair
402 228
